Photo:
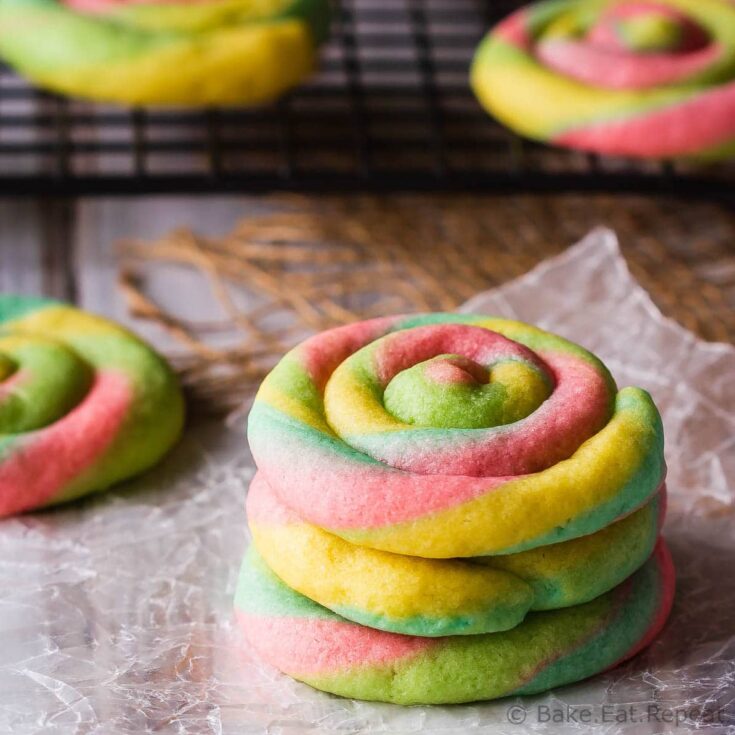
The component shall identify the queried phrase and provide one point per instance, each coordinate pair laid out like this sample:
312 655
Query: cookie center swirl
405 393
632 45
453 391
42 381
643 27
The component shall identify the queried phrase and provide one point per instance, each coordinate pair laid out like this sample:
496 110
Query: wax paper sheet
115 615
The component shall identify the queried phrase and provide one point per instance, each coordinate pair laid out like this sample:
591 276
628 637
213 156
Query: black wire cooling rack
390 110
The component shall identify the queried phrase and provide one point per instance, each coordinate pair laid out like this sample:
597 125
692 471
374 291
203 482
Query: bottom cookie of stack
548 649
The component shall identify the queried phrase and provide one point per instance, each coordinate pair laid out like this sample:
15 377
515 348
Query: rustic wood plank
21 252
57 246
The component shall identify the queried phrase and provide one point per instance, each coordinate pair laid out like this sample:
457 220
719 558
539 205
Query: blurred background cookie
191 52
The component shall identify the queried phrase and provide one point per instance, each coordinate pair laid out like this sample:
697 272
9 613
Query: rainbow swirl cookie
546 650
84 404
167 52
426 487
439 597
644 78
446 435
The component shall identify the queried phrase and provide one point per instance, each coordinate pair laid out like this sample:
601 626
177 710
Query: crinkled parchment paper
115 615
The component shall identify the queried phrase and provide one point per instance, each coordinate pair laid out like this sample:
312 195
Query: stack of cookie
451 508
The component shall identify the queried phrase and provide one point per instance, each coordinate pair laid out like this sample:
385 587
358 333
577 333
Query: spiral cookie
646 78
83 404
432 597
450 508
183 52
547 649
451 436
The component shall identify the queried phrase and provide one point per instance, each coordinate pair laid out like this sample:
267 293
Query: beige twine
320 262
